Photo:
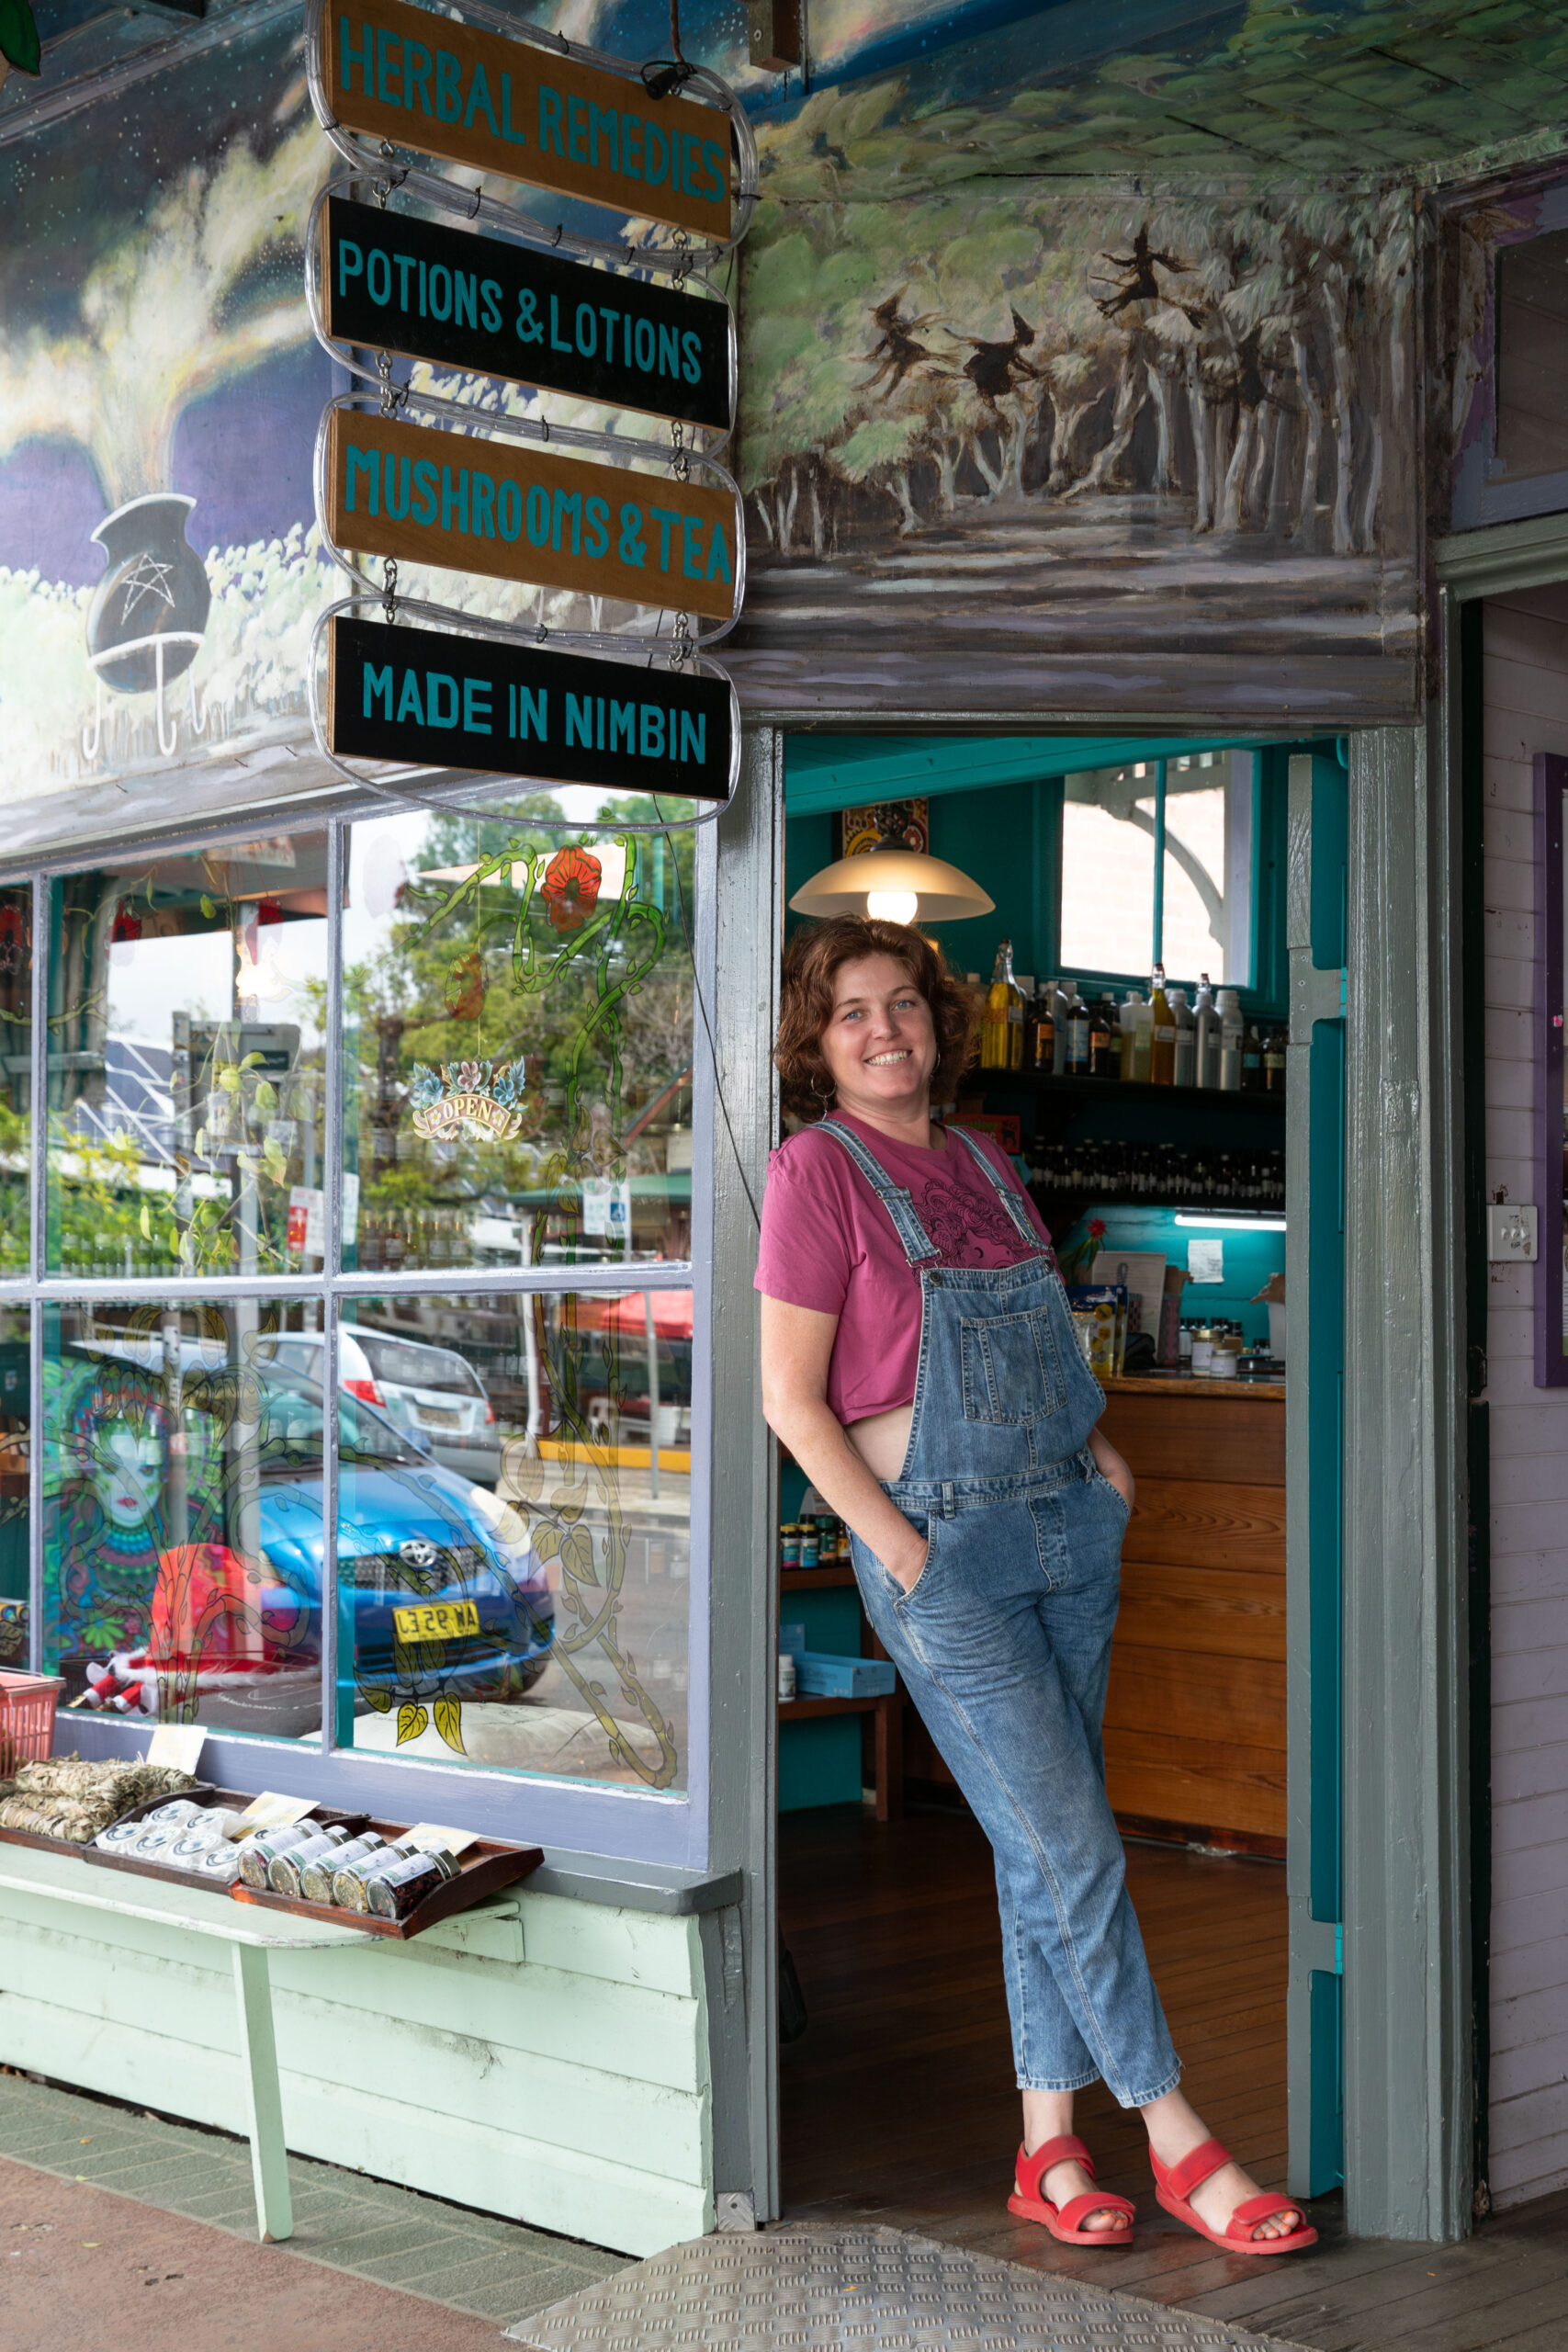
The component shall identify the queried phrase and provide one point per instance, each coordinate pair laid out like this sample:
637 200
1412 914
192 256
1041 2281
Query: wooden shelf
799 1710
833 1578
1114 1089
888 1710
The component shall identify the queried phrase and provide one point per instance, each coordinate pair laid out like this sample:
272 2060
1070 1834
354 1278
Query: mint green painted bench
253 1935
545 2056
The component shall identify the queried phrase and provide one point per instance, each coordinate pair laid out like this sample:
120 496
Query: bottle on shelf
1186 1036
1162 1042
1001 1023
1078 1032
1205 1036
1274 1047
1042 1054
1059 1010
1104 1036
1232 1034
1252 1062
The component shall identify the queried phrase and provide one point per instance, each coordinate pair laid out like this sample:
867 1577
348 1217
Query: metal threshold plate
870 2290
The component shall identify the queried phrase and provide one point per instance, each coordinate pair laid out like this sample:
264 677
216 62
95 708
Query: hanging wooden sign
512 512
476 97
433 699
391 282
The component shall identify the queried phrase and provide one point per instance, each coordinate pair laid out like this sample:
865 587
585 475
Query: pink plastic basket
27 1718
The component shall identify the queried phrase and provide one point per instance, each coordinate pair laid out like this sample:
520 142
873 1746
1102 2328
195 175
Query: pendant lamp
898 883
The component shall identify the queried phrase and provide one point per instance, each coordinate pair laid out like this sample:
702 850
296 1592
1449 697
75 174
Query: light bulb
892 905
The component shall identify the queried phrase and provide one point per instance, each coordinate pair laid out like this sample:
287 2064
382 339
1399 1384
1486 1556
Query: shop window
507 1581
517 1045
182 1536
1157 868
514 1558
186 1071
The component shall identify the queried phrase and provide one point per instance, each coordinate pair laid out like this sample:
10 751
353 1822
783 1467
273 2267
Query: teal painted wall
1249 1260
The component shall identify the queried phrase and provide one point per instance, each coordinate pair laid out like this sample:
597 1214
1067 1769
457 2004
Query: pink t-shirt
829 1243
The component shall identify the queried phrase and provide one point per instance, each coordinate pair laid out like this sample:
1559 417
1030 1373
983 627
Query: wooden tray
205 1794
484 1868
201 1790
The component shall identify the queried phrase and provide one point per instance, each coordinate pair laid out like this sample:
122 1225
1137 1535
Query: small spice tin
257 1853
395 1892
283 1870
316 1876
789 1547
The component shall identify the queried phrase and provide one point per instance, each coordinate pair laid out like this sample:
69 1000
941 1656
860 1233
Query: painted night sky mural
1078 365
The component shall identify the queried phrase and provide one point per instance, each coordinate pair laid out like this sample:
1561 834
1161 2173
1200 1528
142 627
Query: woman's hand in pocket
910 1567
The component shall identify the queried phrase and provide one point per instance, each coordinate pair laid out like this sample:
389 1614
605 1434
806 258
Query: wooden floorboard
898 2104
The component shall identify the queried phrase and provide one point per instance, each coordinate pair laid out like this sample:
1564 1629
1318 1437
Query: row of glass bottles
1159 1040
1131 1171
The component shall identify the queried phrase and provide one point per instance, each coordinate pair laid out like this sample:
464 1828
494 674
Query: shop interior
1150 1123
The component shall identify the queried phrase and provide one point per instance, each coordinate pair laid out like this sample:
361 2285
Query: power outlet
1512 1237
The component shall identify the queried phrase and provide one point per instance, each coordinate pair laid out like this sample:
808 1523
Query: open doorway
1151 1126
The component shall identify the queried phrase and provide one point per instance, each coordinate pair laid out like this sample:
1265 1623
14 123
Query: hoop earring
819 1094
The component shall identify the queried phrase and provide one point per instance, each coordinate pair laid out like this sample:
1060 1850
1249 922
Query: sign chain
680 648
390 586
681 463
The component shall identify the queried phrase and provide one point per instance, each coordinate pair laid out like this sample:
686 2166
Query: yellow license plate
437 1621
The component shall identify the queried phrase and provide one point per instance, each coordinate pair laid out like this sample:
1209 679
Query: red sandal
1063 2222
1173 2185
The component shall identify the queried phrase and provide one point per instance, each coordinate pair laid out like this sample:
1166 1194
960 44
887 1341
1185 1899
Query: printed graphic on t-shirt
964 1222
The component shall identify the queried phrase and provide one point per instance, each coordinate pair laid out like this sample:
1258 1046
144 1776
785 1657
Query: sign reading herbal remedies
479 99
439 700
393 283
418 494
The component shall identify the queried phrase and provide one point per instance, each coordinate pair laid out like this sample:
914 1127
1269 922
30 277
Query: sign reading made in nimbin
474 96
393 283
432 700
478 503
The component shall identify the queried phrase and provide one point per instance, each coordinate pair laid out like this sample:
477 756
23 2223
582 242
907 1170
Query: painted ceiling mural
1066 385
1076 346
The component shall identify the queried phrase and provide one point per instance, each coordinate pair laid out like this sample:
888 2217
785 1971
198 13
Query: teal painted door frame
1316 914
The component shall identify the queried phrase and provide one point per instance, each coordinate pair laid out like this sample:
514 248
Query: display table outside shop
251 1936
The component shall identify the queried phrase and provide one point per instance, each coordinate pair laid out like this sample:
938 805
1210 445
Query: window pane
514 1572
15 1074
1532 355
183 1513
1195 927
186 1063
1108 870
518 1042
14 1511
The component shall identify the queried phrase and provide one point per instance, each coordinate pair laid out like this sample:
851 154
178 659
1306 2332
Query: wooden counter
1195 1720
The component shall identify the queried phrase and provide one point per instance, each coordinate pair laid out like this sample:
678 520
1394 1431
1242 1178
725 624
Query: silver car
439 1399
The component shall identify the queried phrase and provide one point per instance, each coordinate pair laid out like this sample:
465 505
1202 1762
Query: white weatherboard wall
546 2061
1527 711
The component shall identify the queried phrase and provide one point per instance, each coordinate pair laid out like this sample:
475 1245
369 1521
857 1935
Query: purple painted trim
1550 785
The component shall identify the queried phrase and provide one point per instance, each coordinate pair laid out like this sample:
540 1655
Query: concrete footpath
120 2232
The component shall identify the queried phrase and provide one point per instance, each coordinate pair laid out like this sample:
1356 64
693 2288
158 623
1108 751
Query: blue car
440 1593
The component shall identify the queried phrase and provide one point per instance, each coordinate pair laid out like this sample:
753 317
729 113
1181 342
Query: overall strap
1011 1200
895 1198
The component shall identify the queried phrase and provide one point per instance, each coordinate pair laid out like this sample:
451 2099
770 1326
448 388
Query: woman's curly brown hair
813 961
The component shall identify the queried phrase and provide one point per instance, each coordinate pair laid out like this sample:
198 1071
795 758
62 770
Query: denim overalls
1004 1643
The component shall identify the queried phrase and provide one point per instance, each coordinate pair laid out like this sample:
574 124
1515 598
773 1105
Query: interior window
1533 356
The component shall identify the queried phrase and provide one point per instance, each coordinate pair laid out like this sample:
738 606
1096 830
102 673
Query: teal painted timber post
1315 1261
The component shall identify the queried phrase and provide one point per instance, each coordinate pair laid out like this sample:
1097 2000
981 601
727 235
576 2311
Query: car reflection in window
441 1597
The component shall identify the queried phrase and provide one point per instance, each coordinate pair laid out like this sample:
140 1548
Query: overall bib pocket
1010 1367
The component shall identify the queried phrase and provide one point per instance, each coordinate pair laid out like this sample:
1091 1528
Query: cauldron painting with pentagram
150 606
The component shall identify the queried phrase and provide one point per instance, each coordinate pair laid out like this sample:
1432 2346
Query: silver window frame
668 1828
